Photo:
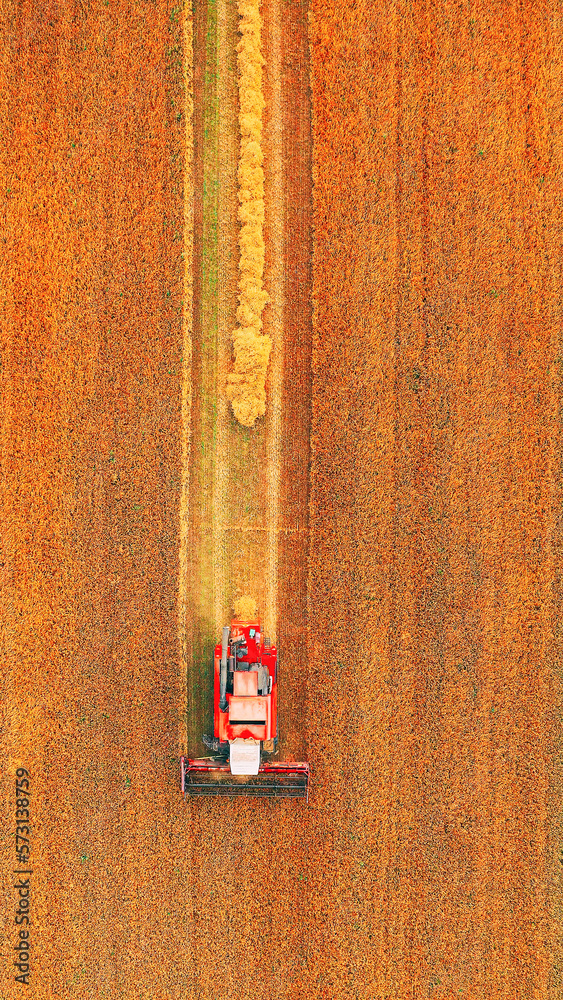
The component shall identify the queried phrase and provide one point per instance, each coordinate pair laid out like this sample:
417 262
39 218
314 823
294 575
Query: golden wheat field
281 317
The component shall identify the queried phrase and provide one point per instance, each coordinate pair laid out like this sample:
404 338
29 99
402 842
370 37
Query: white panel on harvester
245 757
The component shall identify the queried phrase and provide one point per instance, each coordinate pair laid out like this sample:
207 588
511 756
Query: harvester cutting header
244 736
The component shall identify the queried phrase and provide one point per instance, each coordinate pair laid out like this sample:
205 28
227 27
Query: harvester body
244 723
245 693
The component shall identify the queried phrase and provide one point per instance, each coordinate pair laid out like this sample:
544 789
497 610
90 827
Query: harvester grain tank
245 732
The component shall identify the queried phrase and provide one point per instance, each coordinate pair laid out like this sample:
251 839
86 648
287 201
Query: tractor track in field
417 455
239 476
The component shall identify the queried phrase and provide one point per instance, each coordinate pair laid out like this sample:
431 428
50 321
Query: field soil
396 514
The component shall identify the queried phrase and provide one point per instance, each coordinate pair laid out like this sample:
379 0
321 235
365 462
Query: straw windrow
246 383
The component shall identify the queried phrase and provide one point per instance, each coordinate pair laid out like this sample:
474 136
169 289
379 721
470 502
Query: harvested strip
246 383
245 607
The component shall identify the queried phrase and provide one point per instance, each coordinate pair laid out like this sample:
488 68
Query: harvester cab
245 723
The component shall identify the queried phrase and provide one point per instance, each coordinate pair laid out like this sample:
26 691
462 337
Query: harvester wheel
271 748
212 743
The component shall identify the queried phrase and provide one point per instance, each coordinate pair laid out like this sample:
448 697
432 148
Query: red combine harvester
244 724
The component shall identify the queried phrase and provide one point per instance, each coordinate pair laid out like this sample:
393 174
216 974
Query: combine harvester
244 724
